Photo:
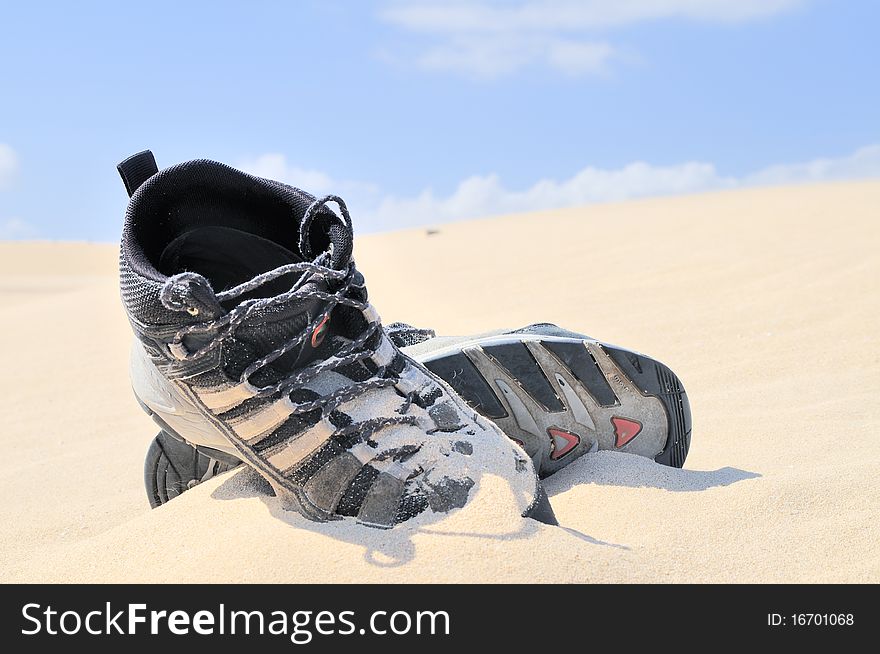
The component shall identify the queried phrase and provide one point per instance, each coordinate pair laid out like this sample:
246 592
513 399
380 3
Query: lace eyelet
193 311
178 351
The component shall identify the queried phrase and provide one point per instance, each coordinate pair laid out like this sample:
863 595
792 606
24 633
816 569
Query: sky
423 112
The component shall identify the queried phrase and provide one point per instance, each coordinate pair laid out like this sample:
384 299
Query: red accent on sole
570 441
625 430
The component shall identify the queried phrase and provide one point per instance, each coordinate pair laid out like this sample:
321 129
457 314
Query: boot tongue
227 257
269 329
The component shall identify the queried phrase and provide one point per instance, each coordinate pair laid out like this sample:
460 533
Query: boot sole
561 398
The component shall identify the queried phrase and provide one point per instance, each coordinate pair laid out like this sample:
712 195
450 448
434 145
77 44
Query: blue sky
422 112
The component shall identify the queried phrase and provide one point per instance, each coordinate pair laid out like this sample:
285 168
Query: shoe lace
354 351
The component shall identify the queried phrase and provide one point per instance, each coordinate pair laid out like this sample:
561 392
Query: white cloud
8 165
16 228
491 39
275 166
568 15
486 195
863 163
488 56
479 196
578 58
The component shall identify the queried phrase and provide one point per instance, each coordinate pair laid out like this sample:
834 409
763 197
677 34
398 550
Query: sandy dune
765 302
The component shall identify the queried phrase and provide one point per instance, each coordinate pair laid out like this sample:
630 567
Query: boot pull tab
136 170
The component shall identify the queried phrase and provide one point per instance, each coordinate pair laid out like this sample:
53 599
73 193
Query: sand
765 302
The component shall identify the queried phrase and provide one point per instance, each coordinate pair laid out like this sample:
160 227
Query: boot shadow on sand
619 469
